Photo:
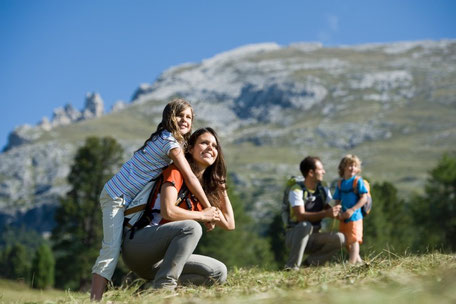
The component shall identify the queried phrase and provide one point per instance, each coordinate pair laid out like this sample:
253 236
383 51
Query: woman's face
204 152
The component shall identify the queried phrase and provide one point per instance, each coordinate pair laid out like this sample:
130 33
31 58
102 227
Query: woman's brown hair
213 180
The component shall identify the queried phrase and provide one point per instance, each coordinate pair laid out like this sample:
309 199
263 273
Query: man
308 202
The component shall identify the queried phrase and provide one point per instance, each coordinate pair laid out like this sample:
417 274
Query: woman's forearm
168 209
227 217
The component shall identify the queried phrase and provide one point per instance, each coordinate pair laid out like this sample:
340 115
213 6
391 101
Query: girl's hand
211 214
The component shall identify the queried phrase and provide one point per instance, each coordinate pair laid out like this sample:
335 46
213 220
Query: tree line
421 223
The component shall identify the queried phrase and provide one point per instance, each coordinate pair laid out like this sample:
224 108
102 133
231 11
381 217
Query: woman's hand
169 211
211 214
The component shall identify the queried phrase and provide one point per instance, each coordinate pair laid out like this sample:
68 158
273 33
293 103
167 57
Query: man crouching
308 205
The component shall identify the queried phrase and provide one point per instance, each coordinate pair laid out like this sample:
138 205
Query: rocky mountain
392 104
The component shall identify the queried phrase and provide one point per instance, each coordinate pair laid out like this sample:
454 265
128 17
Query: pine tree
276 232
17 266
42 273
240 247
388 226
435 211
78 232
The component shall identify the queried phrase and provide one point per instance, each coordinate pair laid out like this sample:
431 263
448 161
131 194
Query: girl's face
351 170
205 152
184 121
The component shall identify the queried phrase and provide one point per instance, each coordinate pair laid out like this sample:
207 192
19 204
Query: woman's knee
192 227
220 273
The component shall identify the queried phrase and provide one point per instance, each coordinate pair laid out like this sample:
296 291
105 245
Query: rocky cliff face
272 105
62 116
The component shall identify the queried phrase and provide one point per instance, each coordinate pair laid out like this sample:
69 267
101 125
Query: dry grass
429 278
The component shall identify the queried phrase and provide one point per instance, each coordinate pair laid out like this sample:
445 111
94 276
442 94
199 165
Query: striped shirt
145 165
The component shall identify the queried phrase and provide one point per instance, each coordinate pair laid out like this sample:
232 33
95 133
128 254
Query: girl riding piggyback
163 147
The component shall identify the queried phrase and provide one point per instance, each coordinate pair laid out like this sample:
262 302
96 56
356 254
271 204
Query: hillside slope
391 104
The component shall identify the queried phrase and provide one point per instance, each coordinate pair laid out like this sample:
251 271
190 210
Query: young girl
351 219
162 148
163 250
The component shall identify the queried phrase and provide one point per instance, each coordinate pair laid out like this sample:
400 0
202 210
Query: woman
163 250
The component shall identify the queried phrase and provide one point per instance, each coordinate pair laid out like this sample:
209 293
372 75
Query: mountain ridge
390 103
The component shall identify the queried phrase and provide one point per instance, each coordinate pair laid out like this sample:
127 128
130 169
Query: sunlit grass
387 278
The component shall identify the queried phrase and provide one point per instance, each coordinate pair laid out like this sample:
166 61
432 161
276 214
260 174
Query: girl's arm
191 180
169 211
227 216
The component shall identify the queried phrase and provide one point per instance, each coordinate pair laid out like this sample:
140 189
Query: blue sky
53 52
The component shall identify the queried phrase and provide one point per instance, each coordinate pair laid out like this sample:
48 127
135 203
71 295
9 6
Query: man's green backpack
286 208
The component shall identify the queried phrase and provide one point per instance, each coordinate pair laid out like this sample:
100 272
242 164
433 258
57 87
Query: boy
351 218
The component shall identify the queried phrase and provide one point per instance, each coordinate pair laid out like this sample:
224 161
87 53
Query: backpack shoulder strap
322 191
147 215
339 183
183 192
302 185
355 184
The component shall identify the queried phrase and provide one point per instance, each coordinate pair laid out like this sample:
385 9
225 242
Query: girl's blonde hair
348 160
169 121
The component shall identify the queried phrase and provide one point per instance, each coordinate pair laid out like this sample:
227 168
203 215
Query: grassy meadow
386 278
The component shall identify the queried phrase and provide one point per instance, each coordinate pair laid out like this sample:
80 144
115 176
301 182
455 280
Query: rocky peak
93 106
65 115
61 116
118 105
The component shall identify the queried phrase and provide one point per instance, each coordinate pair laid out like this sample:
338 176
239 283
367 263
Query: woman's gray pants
164 254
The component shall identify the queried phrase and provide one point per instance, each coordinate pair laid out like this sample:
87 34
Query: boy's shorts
353 231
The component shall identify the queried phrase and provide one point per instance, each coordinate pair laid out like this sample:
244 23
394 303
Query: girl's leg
160 252
203 270
103 269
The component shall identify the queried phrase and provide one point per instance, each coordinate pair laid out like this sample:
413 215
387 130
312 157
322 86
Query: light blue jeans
113 217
